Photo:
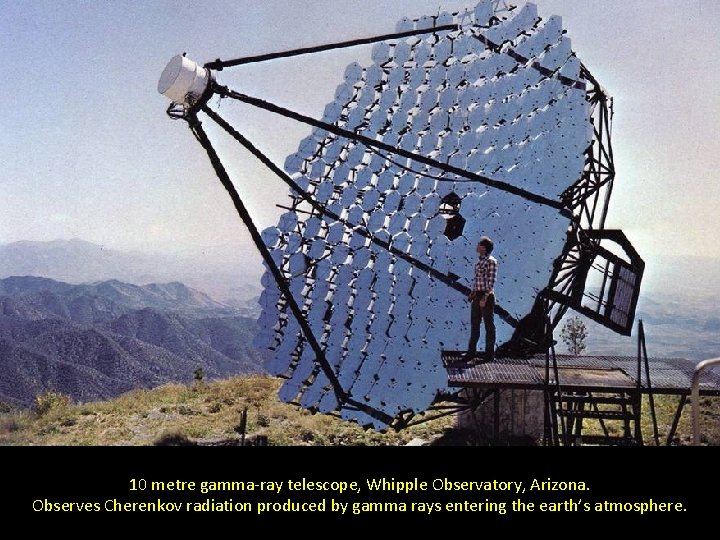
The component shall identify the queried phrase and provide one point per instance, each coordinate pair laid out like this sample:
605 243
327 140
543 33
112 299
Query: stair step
596 399
609 441
605 415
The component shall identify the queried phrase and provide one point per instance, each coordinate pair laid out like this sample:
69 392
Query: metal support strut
341 394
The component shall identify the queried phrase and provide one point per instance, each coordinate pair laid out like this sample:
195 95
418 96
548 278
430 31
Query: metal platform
671 376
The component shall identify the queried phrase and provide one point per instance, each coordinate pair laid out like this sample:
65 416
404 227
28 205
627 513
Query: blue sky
89 153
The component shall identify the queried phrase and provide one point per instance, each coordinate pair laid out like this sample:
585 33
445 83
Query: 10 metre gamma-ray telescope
480 122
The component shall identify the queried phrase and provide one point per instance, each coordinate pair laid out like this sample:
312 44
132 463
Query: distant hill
94 341
684 324
34 297
76 261
230 275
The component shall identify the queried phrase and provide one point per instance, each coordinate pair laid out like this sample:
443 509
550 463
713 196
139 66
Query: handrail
696 396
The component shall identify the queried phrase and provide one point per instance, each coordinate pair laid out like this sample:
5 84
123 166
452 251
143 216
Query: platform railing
695 393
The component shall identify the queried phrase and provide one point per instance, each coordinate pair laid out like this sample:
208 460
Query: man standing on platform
482 299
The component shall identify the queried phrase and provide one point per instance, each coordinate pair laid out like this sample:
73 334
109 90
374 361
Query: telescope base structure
552 400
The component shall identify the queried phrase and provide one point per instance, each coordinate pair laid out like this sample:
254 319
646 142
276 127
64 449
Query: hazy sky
88 151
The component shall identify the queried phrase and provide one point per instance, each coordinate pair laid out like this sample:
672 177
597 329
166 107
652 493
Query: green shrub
6 408
50 400
173 438
8 425
214 408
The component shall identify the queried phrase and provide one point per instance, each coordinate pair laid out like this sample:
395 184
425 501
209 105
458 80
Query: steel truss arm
374 143
326 213
341 394
221 64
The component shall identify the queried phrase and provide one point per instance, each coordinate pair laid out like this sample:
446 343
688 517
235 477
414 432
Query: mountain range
94 341
230 274
684 324
93 322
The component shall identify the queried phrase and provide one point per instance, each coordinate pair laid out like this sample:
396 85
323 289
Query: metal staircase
617 411
618 414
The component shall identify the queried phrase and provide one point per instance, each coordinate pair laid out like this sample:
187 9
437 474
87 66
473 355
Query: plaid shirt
485 274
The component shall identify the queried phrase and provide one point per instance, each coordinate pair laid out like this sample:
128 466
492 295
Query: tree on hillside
573 334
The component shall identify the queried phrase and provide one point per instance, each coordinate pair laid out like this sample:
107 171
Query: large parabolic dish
481 122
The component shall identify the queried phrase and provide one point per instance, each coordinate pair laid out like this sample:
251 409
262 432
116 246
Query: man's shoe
469 357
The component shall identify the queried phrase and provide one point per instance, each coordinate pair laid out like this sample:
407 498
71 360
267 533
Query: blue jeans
477 316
